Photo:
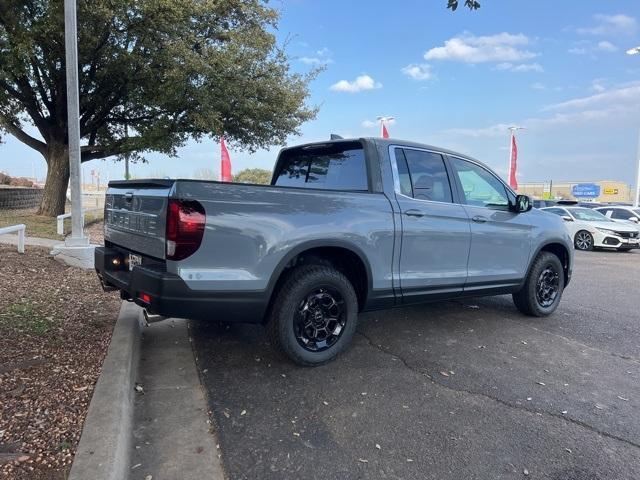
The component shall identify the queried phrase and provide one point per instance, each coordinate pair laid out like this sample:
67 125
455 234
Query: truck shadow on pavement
459 389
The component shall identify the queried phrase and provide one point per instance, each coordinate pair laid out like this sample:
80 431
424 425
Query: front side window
480 187
422 175
339 166
620 214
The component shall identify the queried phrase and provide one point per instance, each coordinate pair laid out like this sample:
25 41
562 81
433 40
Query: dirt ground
55 327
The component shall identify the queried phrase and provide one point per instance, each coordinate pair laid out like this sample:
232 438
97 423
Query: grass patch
40 225
23 317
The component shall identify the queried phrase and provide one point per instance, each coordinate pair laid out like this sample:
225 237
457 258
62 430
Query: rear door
135 215
500 239
435 231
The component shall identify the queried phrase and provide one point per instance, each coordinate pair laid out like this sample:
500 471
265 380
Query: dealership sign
585 190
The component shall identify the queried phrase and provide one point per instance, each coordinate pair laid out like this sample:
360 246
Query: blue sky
455 80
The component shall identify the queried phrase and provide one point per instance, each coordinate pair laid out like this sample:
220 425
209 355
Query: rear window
338 166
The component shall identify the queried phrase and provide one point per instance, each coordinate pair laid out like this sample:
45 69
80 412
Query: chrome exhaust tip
152 317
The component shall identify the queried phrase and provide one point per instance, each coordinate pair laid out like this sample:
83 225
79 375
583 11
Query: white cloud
468 48
417 71
523 67
538 86
372 124
611 25
627 95
605 46
498 130
578 51
321 57
361 83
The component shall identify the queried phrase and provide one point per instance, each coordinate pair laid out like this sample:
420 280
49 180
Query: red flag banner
385 133
225 163
513 166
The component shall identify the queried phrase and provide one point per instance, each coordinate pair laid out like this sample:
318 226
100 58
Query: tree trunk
55 187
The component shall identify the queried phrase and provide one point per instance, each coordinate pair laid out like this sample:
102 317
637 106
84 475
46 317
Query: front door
500 238
435 231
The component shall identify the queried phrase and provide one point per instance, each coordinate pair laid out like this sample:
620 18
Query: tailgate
135 215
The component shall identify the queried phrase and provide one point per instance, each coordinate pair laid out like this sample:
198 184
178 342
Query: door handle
479 219
414 213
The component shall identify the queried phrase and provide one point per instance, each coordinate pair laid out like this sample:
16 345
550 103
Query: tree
253 175
470 4
153 74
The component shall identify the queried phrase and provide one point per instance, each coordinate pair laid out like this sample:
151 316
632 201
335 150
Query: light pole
636 202
512 161
77 238
383 121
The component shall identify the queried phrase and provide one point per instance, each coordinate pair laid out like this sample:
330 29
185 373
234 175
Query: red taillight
185 228
145 297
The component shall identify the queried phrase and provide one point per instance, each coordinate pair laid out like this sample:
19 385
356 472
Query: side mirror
523 204
633 219
567 218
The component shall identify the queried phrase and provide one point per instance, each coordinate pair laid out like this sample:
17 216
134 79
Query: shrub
21 182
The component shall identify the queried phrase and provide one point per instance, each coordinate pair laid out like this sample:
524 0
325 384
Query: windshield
588 215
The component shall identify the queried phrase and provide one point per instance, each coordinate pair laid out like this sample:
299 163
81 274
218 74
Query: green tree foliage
470 4
163 71
253 175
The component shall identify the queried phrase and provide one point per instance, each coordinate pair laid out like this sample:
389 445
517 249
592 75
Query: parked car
622 214
591 229
345 226
538 203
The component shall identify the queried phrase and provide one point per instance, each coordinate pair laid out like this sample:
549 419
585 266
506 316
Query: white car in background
591 229
622 214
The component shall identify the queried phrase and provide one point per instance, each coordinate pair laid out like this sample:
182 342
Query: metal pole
636 203
73 120
127 176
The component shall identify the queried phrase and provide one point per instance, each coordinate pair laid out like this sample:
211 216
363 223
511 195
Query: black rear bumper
169 294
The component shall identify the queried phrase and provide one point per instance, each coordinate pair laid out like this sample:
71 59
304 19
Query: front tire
543 287
583 241
314 315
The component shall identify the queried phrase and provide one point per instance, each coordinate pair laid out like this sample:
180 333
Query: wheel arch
346 257
560 250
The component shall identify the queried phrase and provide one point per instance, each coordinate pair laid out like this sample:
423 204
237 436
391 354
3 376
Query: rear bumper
170 296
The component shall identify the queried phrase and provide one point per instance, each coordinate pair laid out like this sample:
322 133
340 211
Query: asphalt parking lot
465 389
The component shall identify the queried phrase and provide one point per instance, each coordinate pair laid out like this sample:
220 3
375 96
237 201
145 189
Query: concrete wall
15 198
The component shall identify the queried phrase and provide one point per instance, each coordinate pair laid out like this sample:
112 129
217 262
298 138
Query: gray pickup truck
345 226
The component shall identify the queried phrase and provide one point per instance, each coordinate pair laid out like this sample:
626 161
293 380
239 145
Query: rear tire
543 287
583 241
314 314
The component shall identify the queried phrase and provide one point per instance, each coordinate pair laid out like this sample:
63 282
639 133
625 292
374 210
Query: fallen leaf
568 450
296 434
541 383
599 407
148 477
80 389
623 399
362 460
243 412
325 402
378 446
444 374
525 471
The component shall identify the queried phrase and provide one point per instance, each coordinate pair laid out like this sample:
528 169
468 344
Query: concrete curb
105 445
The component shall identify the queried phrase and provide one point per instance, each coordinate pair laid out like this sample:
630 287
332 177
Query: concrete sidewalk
171 434
11 239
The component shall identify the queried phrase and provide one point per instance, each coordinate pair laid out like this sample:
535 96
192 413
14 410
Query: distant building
602 191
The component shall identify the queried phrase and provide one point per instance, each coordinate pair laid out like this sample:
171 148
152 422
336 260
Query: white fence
21 228
60 219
